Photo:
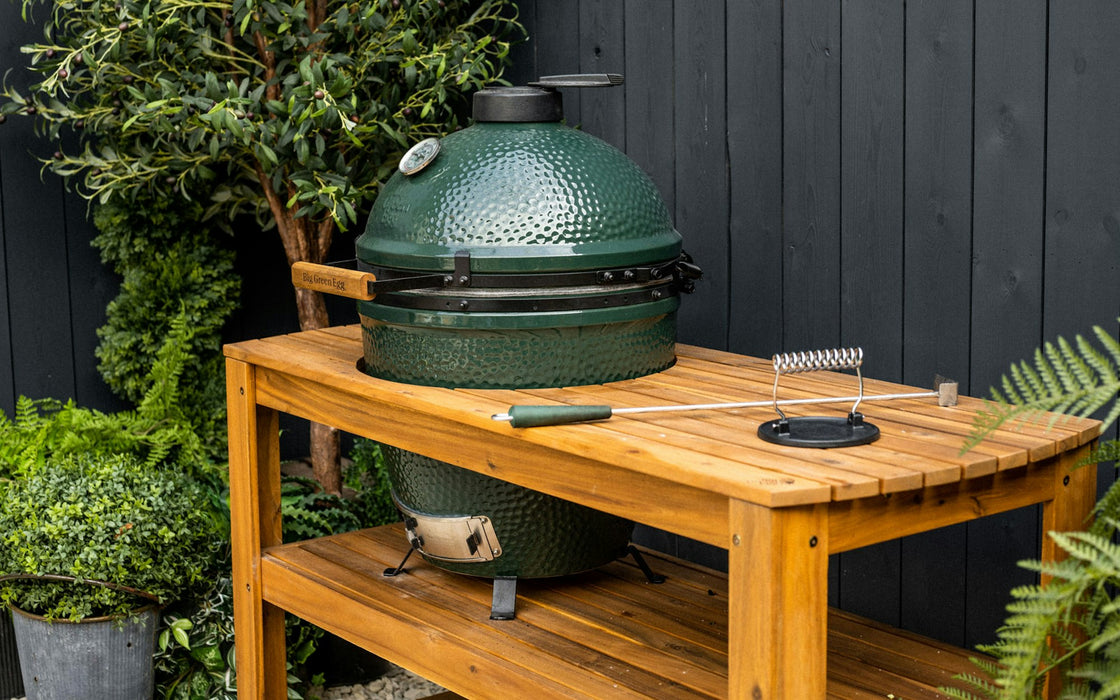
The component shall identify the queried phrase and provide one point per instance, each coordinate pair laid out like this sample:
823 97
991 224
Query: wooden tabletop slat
898 457
1014 445
958 419
893 469
718 451
1069 431
712 439
920 439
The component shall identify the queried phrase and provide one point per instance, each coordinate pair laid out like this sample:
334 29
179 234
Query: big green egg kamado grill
516 253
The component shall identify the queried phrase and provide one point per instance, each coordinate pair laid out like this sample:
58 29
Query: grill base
541 536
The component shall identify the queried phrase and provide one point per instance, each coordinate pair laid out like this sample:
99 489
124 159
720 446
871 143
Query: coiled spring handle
818 431
814 360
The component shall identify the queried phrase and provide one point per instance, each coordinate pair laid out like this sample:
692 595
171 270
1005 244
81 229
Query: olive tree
293 111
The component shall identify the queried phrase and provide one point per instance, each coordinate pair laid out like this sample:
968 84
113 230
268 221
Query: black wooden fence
937 181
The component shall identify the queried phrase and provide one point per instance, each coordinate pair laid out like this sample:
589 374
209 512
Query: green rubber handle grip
534 416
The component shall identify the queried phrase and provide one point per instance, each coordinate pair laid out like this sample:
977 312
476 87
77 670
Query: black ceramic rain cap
539 101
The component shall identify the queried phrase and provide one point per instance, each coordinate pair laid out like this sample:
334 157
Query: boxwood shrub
107 518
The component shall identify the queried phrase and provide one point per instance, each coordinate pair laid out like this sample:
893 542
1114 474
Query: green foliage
110 518
195 651
1071 624
194 659
308 103
307 512
155 433
1072 378
171 268
368 477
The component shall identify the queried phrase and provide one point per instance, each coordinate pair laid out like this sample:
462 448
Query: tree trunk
304 241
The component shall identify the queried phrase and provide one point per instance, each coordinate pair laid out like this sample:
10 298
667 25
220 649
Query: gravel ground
396 684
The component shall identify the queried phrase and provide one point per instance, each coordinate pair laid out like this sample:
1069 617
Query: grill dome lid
519 196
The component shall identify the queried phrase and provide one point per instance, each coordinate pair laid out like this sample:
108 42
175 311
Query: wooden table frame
780 512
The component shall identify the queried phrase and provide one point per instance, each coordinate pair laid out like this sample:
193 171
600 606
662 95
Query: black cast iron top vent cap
539 101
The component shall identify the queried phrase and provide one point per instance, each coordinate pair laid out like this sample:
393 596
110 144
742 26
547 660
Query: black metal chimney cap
518 104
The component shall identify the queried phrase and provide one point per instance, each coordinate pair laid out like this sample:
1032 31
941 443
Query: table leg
254 490
778 567
1075 494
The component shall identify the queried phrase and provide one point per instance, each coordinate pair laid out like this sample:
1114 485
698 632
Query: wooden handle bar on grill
354 284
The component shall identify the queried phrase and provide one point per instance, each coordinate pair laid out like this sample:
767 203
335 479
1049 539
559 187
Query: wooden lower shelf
605 633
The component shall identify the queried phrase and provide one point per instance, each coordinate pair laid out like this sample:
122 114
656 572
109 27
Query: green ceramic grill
516 253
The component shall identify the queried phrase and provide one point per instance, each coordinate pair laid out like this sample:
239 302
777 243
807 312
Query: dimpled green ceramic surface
521 197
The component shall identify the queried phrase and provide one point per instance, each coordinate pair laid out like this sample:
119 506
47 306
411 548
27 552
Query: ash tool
807 431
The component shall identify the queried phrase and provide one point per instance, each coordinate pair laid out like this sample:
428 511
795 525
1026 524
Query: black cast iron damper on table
517 253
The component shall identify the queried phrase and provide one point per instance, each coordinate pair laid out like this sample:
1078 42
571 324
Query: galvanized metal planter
100 657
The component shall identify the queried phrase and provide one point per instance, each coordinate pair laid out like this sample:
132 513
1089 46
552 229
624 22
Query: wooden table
779 511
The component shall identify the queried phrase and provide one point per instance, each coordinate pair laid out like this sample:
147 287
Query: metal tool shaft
533 416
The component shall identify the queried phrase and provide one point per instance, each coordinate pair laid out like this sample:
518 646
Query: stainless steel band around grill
462 290
451 538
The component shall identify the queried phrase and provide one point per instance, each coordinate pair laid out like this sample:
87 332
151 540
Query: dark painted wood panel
1083 185
938 188
871 205
1083 171
558 48
7 380
602 49
35 249
1008 195
92 287
700 147
871 225
754 148
523 55
811 174
936 268
649 92
1009 161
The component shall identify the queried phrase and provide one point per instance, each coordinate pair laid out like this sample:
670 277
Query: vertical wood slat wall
937 181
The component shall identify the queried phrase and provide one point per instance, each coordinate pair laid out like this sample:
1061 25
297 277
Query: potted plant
90 543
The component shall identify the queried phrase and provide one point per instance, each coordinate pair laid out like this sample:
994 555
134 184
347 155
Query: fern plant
1064 378
156 432
1071 624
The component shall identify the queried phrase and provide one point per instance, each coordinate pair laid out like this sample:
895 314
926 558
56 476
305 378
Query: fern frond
1079 378
1089 547
1102 676
1107 509
1104 368
984 686
1110 344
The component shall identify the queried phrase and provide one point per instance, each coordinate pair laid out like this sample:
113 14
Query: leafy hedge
108 518
171 267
